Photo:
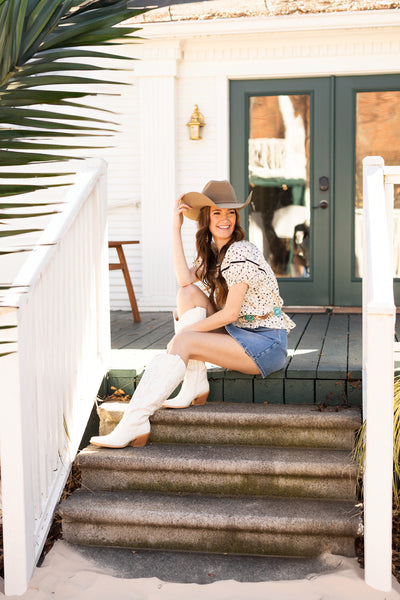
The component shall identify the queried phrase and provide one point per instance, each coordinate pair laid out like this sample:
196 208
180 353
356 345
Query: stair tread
291 515
220 413
220 459
223 423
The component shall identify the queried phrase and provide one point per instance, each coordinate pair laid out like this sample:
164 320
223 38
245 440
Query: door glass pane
377 134
279 157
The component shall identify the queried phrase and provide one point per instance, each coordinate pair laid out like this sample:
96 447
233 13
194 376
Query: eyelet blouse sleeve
243 263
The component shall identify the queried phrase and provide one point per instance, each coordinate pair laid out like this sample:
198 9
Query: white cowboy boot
158 381
195 387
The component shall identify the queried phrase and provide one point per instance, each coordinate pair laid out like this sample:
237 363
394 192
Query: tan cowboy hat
214 193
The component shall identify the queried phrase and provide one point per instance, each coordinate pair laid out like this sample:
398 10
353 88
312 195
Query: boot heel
140 440
200 400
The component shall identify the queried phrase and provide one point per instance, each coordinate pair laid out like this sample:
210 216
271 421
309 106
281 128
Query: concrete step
266 526
224 423
221 470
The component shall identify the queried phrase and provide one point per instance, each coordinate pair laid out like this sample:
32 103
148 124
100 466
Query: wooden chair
124 267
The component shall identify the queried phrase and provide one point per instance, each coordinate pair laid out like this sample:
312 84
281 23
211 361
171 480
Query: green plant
48 47
359 448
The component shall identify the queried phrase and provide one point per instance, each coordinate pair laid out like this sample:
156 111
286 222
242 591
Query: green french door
299 144
367 123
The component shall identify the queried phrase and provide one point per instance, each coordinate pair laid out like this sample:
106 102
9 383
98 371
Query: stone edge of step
234 460
224 413
301 516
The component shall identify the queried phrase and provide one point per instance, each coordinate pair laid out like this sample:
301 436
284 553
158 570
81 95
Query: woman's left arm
228 314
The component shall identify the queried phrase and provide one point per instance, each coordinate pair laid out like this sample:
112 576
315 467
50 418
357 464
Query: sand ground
66 575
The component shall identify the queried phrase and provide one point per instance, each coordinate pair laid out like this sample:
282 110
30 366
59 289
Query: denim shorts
267 347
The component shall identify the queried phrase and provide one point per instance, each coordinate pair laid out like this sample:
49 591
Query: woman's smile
222 224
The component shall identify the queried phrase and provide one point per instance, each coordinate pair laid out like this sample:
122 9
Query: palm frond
14 232
26 204
51 56
13 116
44 49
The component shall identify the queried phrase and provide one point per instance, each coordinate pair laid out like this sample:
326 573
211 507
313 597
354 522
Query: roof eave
369 19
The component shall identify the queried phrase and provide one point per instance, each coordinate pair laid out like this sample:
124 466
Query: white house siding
187 63
124 214
123 173
124 197
196 160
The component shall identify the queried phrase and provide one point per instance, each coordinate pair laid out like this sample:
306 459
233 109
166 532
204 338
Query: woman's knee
187 293
190 296
180 344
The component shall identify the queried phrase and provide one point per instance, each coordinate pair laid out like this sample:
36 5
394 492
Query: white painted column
157 93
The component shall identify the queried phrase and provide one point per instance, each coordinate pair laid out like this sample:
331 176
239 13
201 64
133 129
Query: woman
238 324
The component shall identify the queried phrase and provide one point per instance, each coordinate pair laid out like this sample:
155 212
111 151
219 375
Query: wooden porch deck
324 364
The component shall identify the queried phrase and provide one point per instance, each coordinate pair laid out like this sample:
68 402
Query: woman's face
222 224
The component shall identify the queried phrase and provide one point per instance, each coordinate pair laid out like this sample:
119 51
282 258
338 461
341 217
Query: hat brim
196 201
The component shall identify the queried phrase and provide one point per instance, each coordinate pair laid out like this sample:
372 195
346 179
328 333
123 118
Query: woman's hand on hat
179 211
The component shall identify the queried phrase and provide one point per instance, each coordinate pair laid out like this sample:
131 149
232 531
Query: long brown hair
209 271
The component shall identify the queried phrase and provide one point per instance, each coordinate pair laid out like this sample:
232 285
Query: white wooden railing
60 308
378 368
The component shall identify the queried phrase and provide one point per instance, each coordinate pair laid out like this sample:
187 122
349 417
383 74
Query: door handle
323 204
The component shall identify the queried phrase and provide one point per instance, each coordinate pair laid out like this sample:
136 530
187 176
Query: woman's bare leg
191 296
217 348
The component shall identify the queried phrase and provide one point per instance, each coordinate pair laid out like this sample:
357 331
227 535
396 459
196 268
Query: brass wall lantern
196 121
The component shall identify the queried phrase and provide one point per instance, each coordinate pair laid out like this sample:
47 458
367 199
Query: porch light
196 121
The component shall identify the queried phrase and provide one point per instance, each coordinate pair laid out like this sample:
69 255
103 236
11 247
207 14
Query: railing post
59 310
378 354
389 198
18 533
102 275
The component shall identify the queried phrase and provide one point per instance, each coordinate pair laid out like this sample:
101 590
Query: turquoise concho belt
276 312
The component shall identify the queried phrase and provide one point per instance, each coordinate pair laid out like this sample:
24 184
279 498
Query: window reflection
377 134
279 215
